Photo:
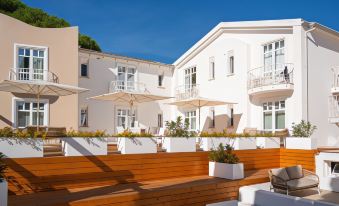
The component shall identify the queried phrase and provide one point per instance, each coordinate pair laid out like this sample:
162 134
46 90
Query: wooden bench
144 179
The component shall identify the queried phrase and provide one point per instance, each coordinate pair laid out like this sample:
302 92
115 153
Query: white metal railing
270 75
335 77
333 105
187 91
27 74
129 86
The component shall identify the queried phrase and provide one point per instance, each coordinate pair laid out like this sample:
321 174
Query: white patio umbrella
130 97
39 88
199 102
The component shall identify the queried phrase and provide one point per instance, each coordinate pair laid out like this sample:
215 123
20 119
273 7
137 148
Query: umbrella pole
199 119
38 110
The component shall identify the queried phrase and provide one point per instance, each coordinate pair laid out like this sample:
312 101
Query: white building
278 72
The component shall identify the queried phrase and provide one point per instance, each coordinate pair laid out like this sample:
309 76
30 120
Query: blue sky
163 30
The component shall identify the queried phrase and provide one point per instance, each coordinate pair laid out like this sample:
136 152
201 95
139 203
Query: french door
126 78
30 64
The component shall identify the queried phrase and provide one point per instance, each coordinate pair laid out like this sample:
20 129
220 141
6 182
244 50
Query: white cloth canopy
130 97
39 88
199 102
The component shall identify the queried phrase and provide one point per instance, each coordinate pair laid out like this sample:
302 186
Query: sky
162 30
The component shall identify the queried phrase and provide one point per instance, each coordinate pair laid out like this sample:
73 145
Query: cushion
280 172
295 172
305 182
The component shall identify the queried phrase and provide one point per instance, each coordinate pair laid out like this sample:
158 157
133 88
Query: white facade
278 72
103 73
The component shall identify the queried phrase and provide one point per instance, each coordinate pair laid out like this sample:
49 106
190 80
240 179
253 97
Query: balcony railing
27 74
333 103
335 77
270 75
187 92
127 86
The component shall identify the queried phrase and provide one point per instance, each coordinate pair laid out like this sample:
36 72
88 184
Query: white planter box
268 142
243 143
301 143
84 146
21 147
179 144
227 171
3 193
208 143
137 145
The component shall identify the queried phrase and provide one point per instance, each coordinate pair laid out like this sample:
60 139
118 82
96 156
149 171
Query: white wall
323 55
248 53
101 114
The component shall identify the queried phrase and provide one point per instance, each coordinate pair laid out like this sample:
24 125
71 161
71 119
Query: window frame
18 46
211 68
230 64
189 116
160 80
273 112
31 101
160 120
87 70
212 117
135 116
81 109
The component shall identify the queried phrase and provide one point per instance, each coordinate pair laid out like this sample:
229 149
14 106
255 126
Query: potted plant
224 163
17 143
78 143
179 138
136 143
301 136
3 182
242 141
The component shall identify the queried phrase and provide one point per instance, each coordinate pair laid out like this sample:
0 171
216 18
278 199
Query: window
230 61
232 118
126 118
212 68
160 120
84 117
160 80
274 56
212 116
84 70
190 77
31 63
191 117
274 115
26 113
126 78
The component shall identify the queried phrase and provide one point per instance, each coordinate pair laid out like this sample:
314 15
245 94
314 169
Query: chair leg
318 190
287 192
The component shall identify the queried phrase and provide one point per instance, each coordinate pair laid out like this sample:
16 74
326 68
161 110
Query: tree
39 18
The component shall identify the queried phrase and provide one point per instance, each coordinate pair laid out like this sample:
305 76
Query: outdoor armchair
292 179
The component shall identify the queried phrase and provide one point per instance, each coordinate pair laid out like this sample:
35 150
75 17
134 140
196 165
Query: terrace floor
197 190
312 194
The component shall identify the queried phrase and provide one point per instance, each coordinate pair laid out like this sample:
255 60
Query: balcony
35 75
186 92
333 105
127 86
335 84
266 80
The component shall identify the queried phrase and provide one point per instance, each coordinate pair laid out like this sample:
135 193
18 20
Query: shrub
18 133
3 167
179 129
130 134
223 156
303 129
98 133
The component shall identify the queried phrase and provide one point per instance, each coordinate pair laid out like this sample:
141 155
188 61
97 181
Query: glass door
190 80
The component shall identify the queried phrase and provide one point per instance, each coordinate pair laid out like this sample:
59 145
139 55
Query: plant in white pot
179 138
301 136
3 182
225 164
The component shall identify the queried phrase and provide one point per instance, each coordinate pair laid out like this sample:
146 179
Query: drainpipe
306 44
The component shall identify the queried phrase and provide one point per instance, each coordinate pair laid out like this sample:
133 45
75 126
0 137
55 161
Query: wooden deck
135 180
197 190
